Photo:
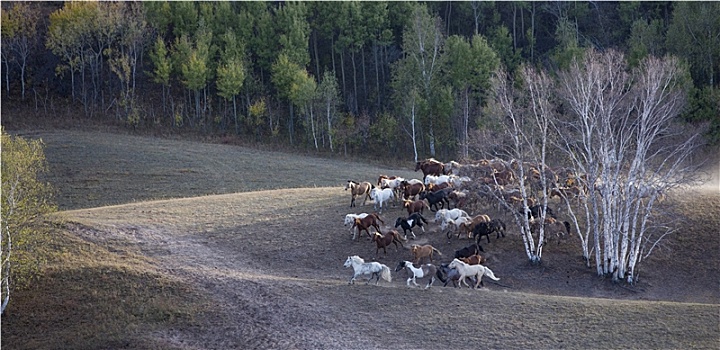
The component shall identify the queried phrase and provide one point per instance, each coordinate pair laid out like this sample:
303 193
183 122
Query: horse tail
422 217
378 217
436 251
567 226
490 274
386 275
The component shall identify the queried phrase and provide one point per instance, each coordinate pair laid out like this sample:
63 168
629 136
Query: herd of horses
431 194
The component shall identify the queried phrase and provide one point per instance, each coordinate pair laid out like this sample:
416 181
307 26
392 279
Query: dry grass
263 269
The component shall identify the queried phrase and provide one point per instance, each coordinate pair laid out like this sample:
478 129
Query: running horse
384 240
430 166
359 189
424 271
360 267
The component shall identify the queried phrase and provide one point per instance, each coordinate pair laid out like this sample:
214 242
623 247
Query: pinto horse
416 219
364 223
383 241
424 271
430 167
423 251
358 189
360 268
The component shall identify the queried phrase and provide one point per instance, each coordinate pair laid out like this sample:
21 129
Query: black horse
415 219
487 228
468 251
434 198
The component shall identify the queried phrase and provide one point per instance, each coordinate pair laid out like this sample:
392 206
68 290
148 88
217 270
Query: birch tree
622 133
526 113
25 200
423 43
329 95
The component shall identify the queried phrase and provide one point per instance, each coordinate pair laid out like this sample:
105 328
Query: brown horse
474 259
430 167
358 189
423 251
367 222
410 190
384 240
414 206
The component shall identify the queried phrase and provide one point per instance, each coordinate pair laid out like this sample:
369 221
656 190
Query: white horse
437 180
457 222
424 271
381 196
394 184
466 270
350 220
414 181
360 267
450 214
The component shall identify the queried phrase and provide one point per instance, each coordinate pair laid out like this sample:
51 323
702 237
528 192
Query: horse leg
352 280
414 281
432 279
408 281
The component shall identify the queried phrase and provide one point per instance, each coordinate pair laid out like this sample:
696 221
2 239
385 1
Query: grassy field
167 244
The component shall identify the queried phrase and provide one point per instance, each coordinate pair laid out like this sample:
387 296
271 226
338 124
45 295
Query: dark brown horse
384 240
367 222
430 167
410 190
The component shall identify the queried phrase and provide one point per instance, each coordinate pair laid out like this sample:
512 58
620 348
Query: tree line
396 79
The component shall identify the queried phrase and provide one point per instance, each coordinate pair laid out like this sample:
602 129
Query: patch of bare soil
271 263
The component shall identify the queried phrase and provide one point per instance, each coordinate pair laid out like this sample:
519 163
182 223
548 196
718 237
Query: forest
398 80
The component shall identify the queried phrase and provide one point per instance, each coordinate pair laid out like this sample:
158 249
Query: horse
360 267
381 196
422 251
366 222
468 251
412 189
350 219
424 271
486 228
392 182
382 241
449 214
416 219
437 180
446 274
468 228
414 206
451 167
466 270
434 198
358 189
430 167
461 221
474 259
